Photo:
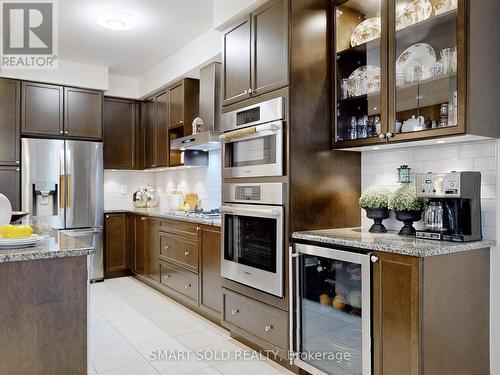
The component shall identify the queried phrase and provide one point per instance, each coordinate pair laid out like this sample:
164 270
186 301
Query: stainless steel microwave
252 145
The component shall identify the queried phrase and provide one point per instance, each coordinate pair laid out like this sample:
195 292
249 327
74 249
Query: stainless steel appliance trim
270 193
270 110
260 131
96 269
291 348
364 260
264 170
263 280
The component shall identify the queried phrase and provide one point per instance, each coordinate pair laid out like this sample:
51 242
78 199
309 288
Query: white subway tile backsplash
380 168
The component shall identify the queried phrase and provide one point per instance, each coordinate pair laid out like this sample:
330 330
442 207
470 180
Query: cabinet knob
143 218
66 132
167 276
187 286
167 247
381 136
249 91
107 216
374 259
389 135
198 229
235 311
17 161
186 253
268 327
181 122
61 132
245 92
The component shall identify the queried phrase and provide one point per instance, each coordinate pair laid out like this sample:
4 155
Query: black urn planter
408 218
378 215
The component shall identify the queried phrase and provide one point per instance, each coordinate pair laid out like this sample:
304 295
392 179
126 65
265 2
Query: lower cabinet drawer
257 318
179 250
183 282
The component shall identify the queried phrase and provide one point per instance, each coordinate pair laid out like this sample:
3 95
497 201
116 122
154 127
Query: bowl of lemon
18 236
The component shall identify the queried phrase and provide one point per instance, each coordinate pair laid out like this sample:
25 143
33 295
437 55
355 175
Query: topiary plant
375 197
405 199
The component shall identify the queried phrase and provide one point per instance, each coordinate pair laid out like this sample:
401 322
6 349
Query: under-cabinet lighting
376 148
440 141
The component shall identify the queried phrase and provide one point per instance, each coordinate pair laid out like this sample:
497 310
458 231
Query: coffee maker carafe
453 212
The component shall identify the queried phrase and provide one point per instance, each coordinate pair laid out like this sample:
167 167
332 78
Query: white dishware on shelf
5 210
413 124
367 30
415 12
364 80
443 6
418 57
15 243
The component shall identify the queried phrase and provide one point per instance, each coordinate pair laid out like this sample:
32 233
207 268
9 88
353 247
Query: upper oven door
256 151
252 251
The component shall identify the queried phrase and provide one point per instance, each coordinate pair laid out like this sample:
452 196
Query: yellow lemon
16 231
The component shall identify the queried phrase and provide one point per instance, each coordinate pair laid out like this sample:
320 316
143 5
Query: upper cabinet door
360 40
83 113
270 68
236 84
177 106
150 146
162 129
10 108
42 109
427 68
120 133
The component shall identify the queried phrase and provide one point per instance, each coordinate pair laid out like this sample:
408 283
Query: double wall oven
253 213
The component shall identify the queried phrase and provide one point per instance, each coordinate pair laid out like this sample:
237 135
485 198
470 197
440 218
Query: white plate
415 12
420 54
369 80
367 30
443 6
12 243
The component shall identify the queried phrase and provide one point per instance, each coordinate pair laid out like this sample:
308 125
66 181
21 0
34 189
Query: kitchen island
43 306
428 301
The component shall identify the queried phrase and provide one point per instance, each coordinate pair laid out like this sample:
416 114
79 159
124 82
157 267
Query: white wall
227 11
123 87
206 182
68 73
379 168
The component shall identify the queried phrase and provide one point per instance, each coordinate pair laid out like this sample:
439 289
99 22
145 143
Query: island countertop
164 214
55 245
390 242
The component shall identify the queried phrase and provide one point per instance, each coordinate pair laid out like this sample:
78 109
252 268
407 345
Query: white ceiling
161 28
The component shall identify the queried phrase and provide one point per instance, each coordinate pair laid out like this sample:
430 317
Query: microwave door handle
250 211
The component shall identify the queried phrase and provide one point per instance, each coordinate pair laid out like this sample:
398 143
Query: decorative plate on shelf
367 30
415 12
443 6
364 80
421 56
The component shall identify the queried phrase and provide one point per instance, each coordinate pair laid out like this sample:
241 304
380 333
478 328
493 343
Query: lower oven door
256 151
331 311
252 246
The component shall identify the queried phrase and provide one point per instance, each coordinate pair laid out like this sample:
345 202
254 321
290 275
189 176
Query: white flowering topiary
375 197
405 199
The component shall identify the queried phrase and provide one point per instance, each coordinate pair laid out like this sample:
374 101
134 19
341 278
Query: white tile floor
129 320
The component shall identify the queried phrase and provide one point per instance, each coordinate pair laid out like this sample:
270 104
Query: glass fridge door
333 304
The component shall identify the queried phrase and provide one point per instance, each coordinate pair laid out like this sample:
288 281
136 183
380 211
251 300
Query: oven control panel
248 193
258 193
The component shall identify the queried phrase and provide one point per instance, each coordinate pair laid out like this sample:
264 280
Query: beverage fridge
62 187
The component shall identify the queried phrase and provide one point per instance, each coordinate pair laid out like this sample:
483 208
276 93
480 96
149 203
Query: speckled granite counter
163 214
389 242
55 245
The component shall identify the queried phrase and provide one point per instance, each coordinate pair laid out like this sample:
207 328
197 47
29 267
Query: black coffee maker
453 212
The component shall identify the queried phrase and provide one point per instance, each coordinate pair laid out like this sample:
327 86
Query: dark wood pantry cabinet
255 53
122 135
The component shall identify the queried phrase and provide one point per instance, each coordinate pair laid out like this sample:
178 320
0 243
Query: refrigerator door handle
62 187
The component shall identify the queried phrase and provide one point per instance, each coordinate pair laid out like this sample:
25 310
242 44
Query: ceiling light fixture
115 20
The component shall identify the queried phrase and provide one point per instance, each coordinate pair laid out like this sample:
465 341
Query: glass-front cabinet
399 70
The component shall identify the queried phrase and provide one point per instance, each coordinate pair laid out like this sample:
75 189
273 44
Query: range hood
207 138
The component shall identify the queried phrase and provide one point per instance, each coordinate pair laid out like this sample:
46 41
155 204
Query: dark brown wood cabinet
184 104
115 243
152 249
42 109
10 185
121 140
82 113
10 119
209 239
255 54
140 229
161 121
150 139
431 314
236 71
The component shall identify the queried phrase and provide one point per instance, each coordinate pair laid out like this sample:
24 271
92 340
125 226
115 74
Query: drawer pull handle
187 286
186 253
235 311
268 327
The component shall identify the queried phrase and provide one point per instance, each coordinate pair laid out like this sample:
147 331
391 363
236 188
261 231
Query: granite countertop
389 242
164 214
55 245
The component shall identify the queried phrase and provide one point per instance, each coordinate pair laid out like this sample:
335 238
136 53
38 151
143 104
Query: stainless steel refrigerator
62 186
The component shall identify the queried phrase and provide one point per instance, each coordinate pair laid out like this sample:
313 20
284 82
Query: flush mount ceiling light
115 20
